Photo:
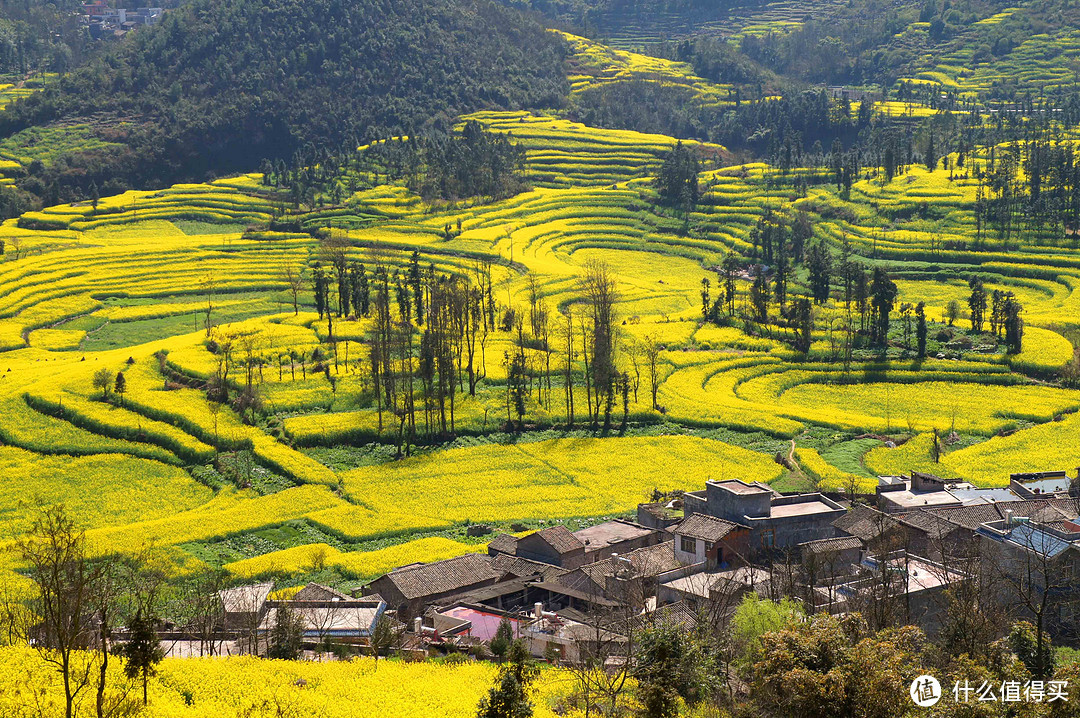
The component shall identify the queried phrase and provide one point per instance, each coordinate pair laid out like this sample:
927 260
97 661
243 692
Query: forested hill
221 84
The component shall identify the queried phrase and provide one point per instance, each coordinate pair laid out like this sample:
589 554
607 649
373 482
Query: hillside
219 86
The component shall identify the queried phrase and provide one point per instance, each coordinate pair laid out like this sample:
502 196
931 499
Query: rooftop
442 576
558 537
319 592
245 599
842 543
611 532
503 543
801 508
912 500
1048 486
324 620
736 486
706 528
483 624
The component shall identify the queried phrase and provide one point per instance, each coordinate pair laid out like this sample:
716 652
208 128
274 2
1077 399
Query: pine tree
143 650
920 329
509 697
120 386
977 304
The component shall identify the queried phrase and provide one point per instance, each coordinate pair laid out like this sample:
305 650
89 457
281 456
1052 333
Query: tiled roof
442 576
648 561
670 615
706 528
503 543
971 517
559 538
842 543
865 523
245 599
929 523
517 566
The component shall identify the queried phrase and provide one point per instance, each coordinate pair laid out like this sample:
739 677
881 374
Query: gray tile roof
706 528
503 543
865 523
842 543
517 566
559 538
442 576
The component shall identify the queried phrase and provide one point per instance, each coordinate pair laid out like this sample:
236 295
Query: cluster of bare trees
429 339
73 608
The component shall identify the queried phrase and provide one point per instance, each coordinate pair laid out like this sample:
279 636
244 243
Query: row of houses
103 19
695 557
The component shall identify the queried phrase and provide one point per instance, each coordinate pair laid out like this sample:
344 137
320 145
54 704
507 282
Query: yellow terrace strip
361 564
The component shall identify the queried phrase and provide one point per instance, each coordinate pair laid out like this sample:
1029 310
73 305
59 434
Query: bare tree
293 274
1030 564
652 354
55 551
601 293
386 635
207 287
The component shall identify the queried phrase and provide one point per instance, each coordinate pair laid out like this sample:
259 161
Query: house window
688 544
768 538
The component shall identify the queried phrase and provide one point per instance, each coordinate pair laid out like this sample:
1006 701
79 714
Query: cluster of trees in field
218 86
781 244
472 163
429 344
75 605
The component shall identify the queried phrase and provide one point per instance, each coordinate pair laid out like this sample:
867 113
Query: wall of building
729 505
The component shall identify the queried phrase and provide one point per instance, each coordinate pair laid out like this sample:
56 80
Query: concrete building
338 619
1042 483
1040 563
712 592
775 521
901 588
245 607
899 493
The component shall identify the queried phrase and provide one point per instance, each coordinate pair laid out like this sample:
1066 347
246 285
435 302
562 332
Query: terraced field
127 287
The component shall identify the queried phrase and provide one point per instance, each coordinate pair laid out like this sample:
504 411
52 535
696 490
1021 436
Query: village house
245 607
775 521
327 614
611 538
1040 563
899 493
897 588
717 543
410 589
555 545
710 592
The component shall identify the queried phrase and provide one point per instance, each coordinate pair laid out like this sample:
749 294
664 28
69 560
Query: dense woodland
283 75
